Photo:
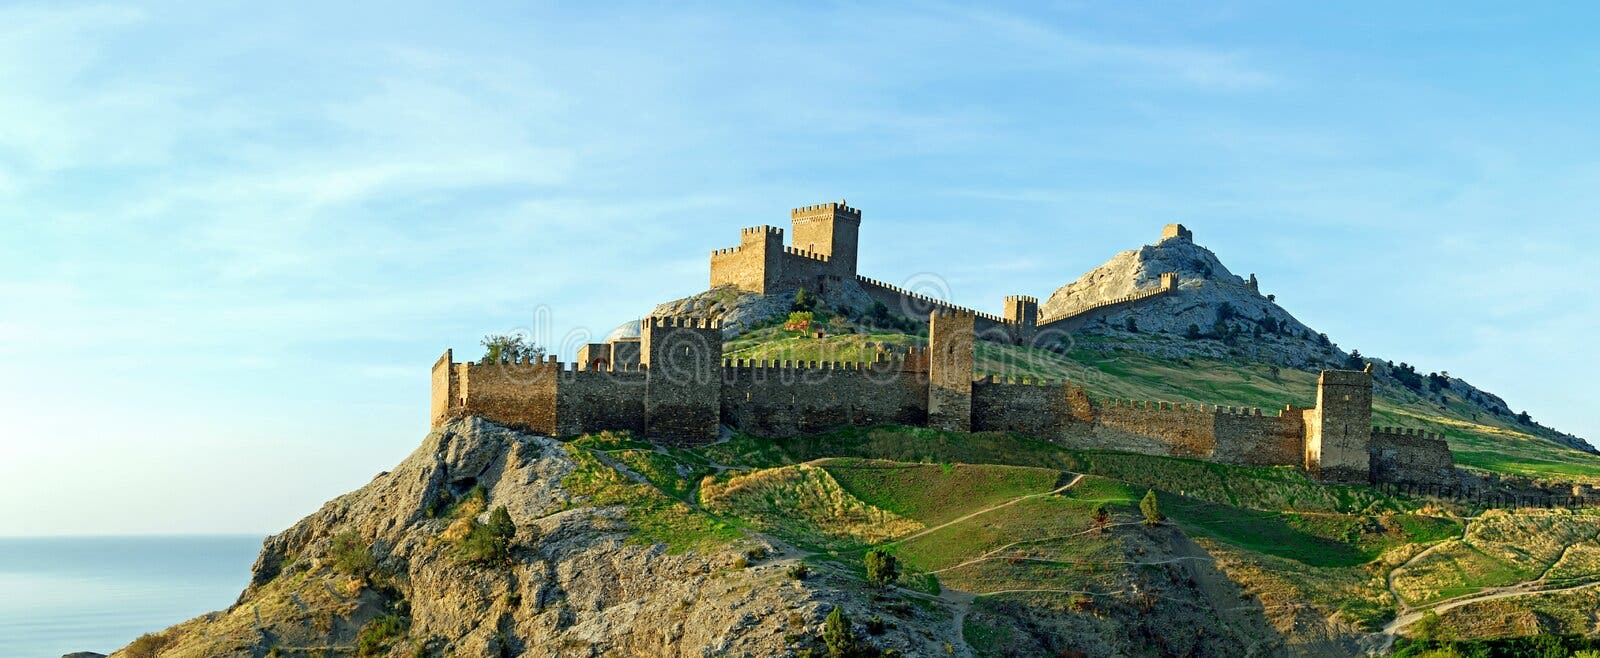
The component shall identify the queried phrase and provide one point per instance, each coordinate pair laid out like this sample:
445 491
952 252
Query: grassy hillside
1479 440
1011 520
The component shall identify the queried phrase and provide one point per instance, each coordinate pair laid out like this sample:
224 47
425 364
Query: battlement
1408 433
762 229
1022 299
1169 280
833 210
1346 378
803 253
682 322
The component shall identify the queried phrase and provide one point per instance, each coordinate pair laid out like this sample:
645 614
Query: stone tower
1022 313
683 386
1340 427
950 336
1171 231
830 229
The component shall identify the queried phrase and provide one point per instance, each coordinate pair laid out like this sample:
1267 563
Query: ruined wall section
590 401
1246 437
1408 456
774 399
1161 428
1040 408
520 394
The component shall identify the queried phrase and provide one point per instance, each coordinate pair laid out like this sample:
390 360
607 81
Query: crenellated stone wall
682 391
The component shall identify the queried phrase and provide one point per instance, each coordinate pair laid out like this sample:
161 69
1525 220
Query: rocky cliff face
576 583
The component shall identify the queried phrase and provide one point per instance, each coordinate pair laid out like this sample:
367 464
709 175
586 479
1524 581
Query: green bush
800 571
489 543
836 634
378 634
352 556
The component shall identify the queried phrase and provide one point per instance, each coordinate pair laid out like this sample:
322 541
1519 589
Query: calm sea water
59 595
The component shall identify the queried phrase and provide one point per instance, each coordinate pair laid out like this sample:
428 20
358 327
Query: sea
64 594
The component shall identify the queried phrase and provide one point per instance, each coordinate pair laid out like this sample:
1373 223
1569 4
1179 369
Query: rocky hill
491 542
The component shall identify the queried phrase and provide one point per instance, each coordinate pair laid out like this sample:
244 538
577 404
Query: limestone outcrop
578 583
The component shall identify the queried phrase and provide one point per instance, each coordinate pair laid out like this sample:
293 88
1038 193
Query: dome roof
629 329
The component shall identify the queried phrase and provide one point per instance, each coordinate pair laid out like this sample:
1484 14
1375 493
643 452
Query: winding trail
1075 478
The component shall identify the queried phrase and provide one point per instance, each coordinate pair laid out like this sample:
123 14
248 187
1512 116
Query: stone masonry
683 391
672 385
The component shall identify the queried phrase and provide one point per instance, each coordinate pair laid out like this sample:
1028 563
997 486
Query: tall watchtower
1340 427
830 229
1171 231
1022 314
950 336
683 383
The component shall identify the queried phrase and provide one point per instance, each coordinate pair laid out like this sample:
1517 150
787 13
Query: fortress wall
1041 409
1182 430
1248 438
786 400
521 395
1407 456
916 305
595 400
801 269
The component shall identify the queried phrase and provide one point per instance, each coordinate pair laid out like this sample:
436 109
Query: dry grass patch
803 503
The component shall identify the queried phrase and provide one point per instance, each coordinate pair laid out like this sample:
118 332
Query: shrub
378 634
930 582
488 543
352 556
148 645
881 567
799 571
875 625
803 301
1151 508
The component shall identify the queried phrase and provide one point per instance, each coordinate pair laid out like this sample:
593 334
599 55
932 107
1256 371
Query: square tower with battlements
950 344
1339 429
683 392
831 230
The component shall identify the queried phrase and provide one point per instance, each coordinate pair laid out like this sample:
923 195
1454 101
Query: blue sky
233 238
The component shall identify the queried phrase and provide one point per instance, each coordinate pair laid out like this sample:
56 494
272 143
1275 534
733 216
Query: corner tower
683 382
830 229
1340 427
950 336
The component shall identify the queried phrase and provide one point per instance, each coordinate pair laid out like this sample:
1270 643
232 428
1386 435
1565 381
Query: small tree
803 301
1102 517
837 635
882 568
1151 508
1133 325
509 347
1193 333
489 543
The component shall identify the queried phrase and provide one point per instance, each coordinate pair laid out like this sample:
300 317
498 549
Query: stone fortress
672 385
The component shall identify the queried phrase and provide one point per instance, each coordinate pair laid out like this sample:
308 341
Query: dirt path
1075 478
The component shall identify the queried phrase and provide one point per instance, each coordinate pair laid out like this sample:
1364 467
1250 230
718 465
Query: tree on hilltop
1151 508
510 347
